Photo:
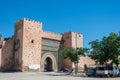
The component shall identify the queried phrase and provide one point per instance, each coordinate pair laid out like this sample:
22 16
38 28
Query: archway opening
48 65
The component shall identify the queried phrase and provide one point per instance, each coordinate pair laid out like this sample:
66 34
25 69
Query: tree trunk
76 68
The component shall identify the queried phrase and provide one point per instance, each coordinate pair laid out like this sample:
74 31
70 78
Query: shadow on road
57 74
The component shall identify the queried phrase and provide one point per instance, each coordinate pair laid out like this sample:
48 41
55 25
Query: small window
32 41
0 46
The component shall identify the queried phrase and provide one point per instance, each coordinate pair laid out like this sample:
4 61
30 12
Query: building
32 49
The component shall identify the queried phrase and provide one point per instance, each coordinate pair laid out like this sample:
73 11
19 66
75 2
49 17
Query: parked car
91 72
119 72
108 70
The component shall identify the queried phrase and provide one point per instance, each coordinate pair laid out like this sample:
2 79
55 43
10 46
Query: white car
109 70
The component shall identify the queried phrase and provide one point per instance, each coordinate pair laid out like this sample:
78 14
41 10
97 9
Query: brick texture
7 55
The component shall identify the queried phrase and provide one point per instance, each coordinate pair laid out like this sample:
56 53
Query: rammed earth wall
30 47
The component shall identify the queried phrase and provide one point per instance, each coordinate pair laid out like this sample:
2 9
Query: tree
107 49
74 55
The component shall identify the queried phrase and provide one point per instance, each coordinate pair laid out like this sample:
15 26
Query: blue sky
93 18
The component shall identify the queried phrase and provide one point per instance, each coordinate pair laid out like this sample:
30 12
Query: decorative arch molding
54 61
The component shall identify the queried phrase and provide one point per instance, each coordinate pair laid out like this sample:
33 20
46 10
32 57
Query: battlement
28 20
72 32
77 33
51 35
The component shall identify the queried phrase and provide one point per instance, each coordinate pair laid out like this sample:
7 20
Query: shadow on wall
7 55
0 58
1 40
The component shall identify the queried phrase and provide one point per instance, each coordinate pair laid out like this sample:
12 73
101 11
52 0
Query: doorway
48 65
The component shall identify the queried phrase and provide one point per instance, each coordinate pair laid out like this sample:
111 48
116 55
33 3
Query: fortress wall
50 35
25 48
1 44
71 40
31 56
18 45
0 56
7 59
77 40
85 60
67 40
67 44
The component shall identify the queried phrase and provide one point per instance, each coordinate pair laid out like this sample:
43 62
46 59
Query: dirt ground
46 76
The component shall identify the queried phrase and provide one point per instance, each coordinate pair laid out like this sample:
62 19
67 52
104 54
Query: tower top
28 20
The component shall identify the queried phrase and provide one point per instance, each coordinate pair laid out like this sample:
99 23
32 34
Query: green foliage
106 49
82 51
73 54
70 54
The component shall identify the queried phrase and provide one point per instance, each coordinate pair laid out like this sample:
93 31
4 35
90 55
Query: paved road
45 76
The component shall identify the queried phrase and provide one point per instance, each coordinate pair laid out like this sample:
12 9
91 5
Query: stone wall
7 59
0 57
31 56
18 45
1 44
50 35
73 40
85 61
76 40
24 49
67 40
67 44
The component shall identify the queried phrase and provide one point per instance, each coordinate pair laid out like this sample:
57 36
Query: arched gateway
33 49
48 62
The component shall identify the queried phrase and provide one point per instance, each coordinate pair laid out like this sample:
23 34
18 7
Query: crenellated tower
27 44
32 49
72 40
